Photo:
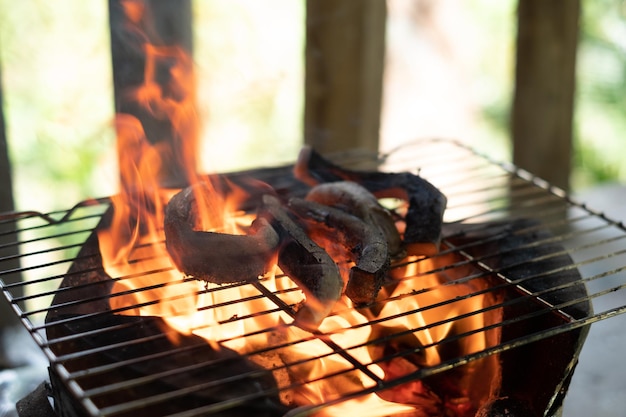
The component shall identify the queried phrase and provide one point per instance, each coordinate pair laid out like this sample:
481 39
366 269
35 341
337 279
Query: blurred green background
449 74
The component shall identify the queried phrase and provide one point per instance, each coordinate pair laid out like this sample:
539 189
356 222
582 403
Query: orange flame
147 283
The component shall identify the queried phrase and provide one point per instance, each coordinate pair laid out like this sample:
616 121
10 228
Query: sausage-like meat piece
216 257
365 245
355 199
307 264
424 218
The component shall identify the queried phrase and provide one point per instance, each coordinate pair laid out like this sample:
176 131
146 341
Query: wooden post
345 48
167 25
7 316
543 104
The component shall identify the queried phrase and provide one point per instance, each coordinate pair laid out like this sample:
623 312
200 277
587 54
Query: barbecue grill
534 258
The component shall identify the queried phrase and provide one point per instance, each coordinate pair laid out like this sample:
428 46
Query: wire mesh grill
520 246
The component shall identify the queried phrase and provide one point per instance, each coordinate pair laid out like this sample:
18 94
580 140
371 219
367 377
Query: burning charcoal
307 264
505 407
358 201
416 392
424 217
362 243
216 257
211 377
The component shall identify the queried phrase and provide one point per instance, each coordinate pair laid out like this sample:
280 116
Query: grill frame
518 192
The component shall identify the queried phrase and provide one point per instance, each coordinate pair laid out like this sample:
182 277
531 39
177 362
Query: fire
241 316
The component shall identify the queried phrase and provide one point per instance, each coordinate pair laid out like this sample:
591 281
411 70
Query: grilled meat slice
426 204
361 243
307 264
216 257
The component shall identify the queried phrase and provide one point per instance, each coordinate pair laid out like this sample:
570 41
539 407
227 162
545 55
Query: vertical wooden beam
6 180
162 23
344 53
7 316
543 103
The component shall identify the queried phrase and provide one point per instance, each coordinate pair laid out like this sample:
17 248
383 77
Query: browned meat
355 199
216 257
426 204
307 264
365 245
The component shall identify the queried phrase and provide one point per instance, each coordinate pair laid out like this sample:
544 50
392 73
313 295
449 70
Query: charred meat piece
216 257
358 201
307 264
426 203
365 245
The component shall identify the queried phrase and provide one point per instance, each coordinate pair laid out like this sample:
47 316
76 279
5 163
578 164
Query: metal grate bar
435 324
483 195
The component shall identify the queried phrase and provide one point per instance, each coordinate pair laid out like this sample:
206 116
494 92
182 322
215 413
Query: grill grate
510 237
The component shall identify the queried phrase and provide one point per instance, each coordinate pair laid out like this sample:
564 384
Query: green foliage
57 100
600 118
58 97
600 108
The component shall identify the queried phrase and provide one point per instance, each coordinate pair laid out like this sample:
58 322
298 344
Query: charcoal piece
523 251
506 407
86 286
83 332
163 361
36 403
